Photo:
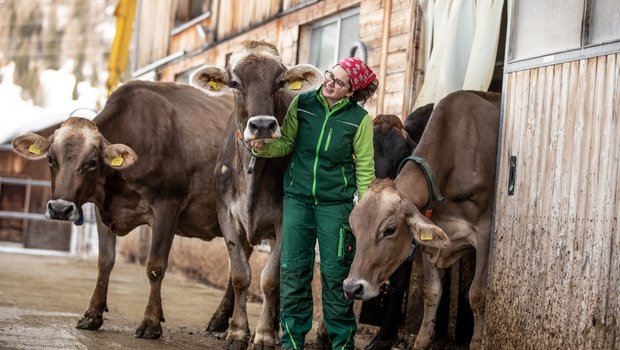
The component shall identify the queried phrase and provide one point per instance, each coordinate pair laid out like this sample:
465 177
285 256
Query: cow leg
238 329
477 294
93 316
399 281
432 296
264 338
164 225
218 324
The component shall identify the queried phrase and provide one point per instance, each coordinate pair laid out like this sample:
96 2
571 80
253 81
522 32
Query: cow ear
31 146
301 78
211 79
425 233
411 145
119 156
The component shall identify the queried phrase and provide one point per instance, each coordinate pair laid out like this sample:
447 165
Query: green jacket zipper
346 183
290 173
329 138
341 243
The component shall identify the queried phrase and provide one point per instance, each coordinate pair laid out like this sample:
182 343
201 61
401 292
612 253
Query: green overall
332 159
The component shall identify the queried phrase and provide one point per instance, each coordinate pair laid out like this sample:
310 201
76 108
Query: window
604 21
324 43
187 10
542 28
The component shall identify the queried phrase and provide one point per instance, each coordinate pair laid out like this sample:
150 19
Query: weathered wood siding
386 27
555 270
153 23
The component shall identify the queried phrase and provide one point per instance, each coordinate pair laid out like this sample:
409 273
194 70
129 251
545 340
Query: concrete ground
43 294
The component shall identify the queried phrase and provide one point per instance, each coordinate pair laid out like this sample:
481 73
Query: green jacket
333 154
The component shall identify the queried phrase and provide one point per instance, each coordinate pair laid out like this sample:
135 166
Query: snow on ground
18 116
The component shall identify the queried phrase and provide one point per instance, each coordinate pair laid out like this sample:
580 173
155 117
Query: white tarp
461 38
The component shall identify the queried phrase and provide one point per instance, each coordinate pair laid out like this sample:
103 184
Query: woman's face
336 85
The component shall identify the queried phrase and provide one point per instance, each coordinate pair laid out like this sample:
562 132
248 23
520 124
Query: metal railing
83 238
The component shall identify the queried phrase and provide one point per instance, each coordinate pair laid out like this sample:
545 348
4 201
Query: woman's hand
257 145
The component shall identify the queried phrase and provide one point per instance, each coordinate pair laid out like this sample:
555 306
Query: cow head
78 156
262 85
391 143
385 224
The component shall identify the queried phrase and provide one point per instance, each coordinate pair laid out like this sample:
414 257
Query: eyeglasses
329 77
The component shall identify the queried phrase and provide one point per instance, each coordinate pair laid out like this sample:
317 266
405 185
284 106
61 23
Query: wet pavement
42 297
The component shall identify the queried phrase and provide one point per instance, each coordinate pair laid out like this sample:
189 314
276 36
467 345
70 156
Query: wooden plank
610 207
595 246
372 22
553 89
394 83
527 234
399 23
613 303
399 43
539 230
517 278
396 62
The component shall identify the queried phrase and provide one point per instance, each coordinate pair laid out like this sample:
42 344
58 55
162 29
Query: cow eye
51 161
389 231
90 165
234 84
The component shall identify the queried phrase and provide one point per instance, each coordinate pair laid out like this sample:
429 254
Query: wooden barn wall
154 21
555 268
391 49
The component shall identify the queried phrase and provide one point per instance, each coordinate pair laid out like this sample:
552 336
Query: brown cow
176 131
460 145
391 144
250 190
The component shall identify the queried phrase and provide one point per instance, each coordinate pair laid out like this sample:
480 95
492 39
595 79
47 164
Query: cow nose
262 127
60 209
260 124
353 289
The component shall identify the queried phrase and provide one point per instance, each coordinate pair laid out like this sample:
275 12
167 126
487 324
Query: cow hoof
379 345
235 345
148 332
216 335
217 325
89 323
263 340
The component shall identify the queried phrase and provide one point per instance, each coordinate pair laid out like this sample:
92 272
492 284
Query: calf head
385 224
78 157
391 144
262 85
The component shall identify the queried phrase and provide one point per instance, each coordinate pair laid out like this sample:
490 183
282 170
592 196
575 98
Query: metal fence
84 240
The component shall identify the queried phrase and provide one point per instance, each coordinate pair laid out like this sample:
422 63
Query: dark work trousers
303 223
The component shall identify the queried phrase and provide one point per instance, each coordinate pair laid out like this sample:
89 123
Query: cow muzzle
261 127
358 289
60 209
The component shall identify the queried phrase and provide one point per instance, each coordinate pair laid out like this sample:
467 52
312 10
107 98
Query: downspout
387 18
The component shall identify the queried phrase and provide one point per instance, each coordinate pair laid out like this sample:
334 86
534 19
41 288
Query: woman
330 136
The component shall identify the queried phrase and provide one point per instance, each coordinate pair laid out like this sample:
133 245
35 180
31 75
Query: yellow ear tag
117 161
296 85
213 86
426 235
34 149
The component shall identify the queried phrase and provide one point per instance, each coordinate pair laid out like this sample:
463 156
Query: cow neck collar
239 137
433 188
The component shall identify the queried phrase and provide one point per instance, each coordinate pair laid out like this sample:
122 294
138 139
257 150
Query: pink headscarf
359 73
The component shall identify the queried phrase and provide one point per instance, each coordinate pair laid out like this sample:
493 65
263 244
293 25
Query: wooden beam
387 15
